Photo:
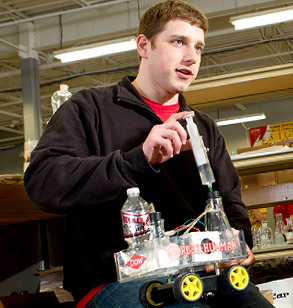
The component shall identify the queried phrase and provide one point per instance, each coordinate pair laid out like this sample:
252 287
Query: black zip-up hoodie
91 152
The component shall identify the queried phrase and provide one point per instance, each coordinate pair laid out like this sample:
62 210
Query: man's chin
182 88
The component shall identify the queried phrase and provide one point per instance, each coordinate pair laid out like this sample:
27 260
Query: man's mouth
184 71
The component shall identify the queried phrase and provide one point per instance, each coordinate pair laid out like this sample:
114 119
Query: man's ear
142 44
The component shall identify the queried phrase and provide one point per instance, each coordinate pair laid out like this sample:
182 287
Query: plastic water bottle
279 230
266 235
135 218
60 96
288 231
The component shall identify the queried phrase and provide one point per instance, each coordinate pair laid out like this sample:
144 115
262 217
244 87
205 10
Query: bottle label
135 224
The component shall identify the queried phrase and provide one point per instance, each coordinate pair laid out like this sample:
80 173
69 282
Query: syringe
200 154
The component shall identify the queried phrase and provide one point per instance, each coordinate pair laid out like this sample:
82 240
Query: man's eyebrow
179 36
201 43
183 38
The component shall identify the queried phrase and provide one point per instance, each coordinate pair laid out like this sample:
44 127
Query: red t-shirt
163 111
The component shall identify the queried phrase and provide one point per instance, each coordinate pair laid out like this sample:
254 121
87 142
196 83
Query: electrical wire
184 227
61 32
188 226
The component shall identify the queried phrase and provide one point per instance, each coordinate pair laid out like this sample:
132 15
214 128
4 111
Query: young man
105 140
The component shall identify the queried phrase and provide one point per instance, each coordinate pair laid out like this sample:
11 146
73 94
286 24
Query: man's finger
179 116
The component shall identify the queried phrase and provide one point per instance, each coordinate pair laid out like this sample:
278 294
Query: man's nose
191 56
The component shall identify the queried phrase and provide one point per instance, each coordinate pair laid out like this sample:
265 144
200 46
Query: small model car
183 259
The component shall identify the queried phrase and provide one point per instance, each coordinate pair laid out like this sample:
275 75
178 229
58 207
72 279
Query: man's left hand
223 265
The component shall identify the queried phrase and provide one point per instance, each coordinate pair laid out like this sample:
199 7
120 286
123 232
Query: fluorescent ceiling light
242 119
97 50
262 18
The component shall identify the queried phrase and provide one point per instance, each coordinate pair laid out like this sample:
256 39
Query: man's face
174 59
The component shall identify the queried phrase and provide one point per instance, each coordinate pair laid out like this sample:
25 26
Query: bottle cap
213 194
155 216
64 87
132 191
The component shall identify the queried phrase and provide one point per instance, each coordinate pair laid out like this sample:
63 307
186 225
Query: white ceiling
237 66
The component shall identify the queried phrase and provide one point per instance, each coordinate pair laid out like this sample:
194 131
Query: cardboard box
284 176
268 294
288 142
258 180
244 150
268 178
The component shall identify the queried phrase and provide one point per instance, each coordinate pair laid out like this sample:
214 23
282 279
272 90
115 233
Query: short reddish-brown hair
154 19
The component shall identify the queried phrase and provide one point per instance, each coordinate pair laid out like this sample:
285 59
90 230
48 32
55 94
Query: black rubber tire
145 294
188 287
236 277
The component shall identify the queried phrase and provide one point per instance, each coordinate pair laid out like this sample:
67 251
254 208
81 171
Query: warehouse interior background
242 72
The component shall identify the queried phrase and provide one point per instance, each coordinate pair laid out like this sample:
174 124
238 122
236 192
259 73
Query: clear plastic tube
199 152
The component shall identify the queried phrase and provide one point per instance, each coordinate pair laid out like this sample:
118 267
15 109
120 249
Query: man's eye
178 42
199 48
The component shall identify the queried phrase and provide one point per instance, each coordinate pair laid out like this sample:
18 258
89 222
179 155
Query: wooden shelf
274 252
268 196
253 163
259 162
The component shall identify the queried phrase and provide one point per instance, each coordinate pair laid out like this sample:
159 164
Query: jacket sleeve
229 185
67 169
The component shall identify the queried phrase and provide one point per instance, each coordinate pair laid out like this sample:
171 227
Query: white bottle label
135 224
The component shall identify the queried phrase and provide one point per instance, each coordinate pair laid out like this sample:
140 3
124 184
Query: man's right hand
166 140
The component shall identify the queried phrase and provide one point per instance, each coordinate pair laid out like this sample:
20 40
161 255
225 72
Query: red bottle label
135 224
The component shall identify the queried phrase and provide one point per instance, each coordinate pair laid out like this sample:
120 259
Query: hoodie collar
127 92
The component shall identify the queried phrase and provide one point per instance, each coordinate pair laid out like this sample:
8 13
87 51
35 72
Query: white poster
282 292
